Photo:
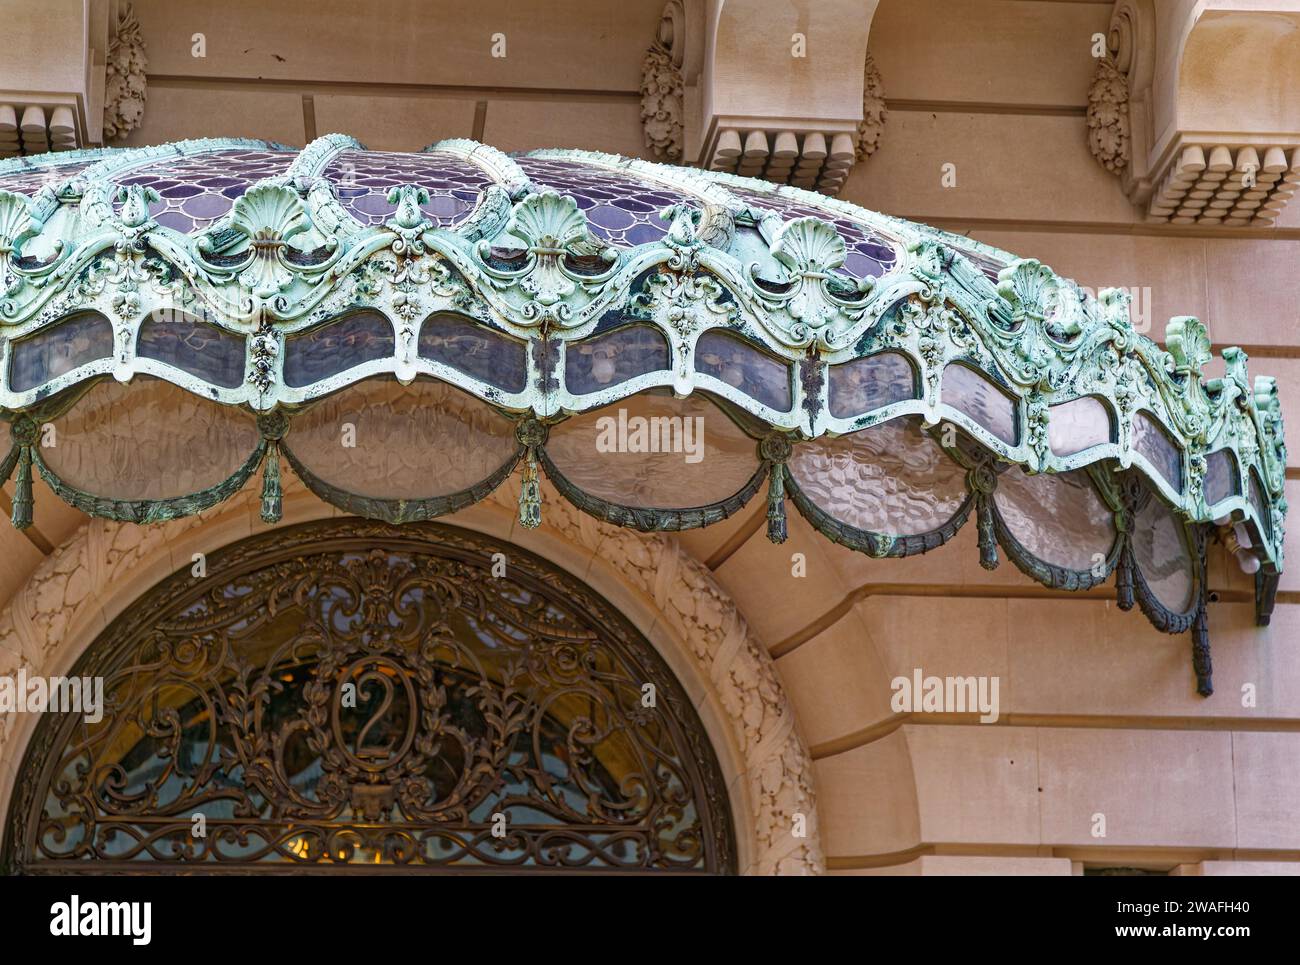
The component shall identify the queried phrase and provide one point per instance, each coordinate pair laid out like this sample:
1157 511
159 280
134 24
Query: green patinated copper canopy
405 330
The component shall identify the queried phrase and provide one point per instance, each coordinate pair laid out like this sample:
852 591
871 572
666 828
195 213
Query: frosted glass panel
53 351
1162 555
891 478
1150 440
148 440
613 358
419 441
1077 425
1057 517
652 451
967 391
864 385
744 367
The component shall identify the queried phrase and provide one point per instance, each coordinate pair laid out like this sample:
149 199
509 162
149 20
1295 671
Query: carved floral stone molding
124 86
1108 120
60 608
872 128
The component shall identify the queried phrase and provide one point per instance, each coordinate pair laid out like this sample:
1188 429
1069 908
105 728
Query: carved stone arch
664 593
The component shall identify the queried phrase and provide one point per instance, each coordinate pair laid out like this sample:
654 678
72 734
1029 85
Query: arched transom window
346 694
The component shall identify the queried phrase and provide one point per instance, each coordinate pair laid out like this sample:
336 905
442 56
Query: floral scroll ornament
268 216
1043 328
408 221
1188 342
819 302
932 324
551 228
16 226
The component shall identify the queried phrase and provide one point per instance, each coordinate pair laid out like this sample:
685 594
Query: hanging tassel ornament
272 493
273 427
1202 666
1130 494
531 435
982 480
775 450
24 432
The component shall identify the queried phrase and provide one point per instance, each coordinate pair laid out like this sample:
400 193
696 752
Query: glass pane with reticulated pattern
1161 554
891 478
744 367
1155 445
652 451
1058 517
383 440
148 440
478 352
967 391
1078 425
53 351
870 383
613 358
337 347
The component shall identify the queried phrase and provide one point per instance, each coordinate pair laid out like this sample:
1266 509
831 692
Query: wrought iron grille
348 695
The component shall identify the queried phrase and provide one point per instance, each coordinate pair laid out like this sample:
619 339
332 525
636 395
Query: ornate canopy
406 329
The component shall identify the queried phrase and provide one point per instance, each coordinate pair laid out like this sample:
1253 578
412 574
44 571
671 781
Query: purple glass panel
870 383
30 180
621 208
197 189
967 391
1155 445
362 180
744 367
613 358
337 347
869 254
1077 425
476 351
214 355
1220 476
53 351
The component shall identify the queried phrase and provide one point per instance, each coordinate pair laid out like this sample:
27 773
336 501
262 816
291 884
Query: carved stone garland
1108 116
124 86
872 126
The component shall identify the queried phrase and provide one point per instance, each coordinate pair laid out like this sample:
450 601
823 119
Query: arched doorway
345 694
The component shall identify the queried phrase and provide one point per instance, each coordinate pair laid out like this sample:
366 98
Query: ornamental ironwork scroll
348 694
